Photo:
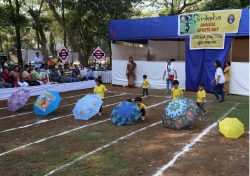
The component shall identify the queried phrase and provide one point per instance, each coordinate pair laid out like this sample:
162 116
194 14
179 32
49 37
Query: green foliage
27 42
224 4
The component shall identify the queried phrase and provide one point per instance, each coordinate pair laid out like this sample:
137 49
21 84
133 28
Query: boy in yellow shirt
100 89
142 107
144 85
176 92
201 95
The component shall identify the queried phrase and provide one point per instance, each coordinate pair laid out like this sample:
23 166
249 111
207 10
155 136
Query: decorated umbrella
87 107
125 113
47 103
231 127
179 113
18 99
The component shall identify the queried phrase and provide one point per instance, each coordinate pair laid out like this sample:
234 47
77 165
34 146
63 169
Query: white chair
46 75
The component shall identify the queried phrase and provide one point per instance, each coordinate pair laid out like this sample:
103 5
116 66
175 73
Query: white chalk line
58 107
61 98
107 145
187 147
69 131
44 121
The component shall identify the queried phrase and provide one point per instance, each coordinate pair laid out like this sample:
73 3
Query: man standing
88 74
38 60
170 70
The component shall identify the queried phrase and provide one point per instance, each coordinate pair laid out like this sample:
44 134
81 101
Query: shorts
200 105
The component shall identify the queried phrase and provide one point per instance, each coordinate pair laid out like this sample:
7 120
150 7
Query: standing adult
130 72
38 60
227 77
169 72
219 80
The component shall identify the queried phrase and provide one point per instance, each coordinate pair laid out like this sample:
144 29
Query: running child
201 95
187 24
100 89
142 107
176 92
144 85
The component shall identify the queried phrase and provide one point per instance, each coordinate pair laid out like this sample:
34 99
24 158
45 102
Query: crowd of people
43 74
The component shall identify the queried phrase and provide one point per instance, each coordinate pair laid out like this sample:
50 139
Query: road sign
63 54
98 54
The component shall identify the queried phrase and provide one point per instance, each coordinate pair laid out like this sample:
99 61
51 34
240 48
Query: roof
142 29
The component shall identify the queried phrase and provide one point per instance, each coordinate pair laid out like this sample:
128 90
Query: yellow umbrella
231 127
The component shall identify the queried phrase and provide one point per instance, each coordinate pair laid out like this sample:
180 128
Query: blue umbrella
125 113
47 103
87 107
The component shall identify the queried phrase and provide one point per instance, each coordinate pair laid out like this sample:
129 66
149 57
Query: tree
224 4
174 7
18 20
40 23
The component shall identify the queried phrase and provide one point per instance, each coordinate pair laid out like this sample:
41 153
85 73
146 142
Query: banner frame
206 34
206 12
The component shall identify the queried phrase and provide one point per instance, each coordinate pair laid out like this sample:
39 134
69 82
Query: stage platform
38 90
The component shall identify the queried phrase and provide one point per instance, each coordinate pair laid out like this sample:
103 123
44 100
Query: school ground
60 145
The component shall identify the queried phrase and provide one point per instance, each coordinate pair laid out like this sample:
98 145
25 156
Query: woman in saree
131 72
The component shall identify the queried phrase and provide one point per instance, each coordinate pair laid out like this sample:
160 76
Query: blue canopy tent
197 70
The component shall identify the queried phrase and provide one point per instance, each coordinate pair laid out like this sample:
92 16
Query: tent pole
134 47
231 50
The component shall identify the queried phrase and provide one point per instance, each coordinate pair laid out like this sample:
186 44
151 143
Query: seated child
142 107
176 92
129 100
201 95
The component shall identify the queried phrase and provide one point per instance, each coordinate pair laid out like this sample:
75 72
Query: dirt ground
142 153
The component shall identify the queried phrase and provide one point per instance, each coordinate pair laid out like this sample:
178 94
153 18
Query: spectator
88 74
62 75
8 77
29 77
54 59
67 73
2 82
50 62
11 68
82 67
19 81
43 68
227 77
1 68
59 62
93 67
49 68
54 75
170 70
77 74
21 69
32 69
38 60
39 76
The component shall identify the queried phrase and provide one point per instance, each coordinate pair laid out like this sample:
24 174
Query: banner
225 21
207 41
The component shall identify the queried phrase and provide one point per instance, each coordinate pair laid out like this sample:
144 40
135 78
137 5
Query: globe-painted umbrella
125 113
179 113
47 103
18 100
87 107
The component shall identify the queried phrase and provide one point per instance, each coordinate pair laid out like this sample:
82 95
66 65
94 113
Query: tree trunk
63 19
38 39
70 37
85 58
18 44
1 45
43 43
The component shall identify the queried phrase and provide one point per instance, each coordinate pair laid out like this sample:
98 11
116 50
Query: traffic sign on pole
98 54
63 54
